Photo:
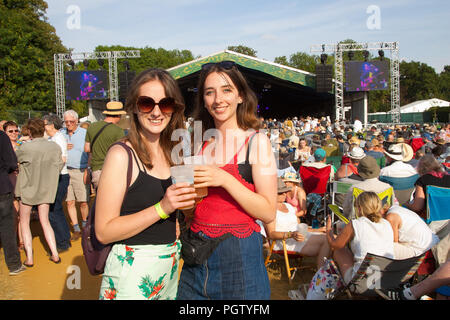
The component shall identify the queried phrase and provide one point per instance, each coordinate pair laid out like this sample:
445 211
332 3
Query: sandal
56 262
28 265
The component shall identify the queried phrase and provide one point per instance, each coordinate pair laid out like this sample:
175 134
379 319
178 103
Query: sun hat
368 168
354 140
290 177
114 108
282 187
319 154
408 152
395 151
375 142
357 153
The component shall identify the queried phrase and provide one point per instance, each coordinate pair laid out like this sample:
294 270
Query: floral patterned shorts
146 272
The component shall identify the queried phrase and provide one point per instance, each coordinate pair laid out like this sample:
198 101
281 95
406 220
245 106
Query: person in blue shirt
77 163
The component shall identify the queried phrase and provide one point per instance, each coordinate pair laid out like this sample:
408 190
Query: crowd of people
250 197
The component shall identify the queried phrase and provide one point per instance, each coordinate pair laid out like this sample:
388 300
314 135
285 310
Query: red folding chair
315 180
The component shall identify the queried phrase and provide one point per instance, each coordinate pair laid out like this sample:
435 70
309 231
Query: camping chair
378 273
438 203
287 255
315 181
403 187
338 187
385 196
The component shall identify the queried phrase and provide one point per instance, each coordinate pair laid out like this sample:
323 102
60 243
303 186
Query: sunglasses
146 104
227 65
11 131
70 121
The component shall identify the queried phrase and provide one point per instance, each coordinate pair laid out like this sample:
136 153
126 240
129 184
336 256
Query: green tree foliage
27 45
243 49
418 81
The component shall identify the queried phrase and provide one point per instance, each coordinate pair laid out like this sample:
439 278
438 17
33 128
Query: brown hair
9 123
369 205
246 111
135 135
427 164
36 127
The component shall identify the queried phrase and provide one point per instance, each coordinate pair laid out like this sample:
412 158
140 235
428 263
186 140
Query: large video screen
366 75
86 85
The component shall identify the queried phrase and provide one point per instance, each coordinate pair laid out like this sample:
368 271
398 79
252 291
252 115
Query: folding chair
287 255
338 187
385 196
403 187
315 181
438 203
378 273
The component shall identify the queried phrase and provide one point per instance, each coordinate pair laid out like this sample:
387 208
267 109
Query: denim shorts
234 271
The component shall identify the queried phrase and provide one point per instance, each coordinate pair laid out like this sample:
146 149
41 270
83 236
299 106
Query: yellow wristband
160 211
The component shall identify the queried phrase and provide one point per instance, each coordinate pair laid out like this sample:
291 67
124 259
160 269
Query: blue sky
273 28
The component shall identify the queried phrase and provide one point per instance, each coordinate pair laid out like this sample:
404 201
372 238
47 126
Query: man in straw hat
369 170
102 134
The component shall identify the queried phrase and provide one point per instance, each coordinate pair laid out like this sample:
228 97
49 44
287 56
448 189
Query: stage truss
338 50
60 60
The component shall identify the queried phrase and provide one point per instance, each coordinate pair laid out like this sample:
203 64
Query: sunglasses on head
147 104
227 65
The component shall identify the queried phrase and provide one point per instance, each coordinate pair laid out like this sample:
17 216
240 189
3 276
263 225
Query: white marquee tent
424 105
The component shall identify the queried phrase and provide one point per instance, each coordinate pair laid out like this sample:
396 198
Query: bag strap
98 133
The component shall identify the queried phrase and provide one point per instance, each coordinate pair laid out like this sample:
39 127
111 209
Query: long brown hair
135 135
246 111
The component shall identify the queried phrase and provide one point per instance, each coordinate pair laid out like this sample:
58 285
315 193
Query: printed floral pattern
151 289
111 292
128 256
325 282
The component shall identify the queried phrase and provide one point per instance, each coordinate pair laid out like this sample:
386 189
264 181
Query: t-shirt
112 133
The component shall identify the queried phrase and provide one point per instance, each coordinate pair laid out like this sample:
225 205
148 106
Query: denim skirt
234 271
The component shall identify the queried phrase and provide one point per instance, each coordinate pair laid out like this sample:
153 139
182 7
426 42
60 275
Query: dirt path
70 280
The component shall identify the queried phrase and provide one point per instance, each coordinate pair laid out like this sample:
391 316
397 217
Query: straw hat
357 153
282 186
290 177
114 108
354 140
375 142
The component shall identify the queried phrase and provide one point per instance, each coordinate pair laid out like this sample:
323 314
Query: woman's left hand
209 176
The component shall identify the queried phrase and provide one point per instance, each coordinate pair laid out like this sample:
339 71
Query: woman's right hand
297 236
178 195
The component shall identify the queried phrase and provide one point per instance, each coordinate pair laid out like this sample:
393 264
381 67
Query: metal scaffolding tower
111 56
338 49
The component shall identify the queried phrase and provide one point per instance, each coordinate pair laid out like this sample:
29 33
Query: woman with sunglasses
141 220
242 187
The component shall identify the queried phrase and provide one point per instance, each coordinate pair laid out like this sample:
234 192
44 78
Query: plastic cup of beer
302 228
183 173
197 160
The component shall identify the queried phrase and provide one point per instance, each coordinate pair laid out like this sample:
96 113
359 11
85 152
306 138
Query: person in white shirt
412 236
357 125
56 213
396 157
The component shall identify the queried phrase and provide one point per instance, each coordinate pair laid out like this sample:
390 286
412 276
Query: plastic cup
183 173
302 228
197 160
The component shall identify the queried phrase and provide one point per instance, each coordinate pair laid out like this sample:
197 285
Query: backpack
95 253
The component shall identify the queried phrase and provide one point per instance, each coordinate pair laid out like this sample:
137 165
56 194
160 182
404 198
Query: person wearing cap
105 133
284 227
369 170
348 169
320 157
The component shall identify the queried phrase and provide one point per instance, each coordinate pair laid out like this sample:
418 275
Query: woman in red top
242 187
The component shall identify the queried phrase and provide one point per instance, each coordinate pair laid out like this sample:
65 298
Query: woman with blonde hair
140 220
369 233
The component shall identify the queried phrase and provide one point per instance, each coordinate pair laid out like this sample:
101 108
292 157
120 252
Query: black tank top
145 192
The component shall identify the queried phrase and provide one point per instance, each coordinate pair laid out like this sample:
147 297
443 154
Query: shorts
77 190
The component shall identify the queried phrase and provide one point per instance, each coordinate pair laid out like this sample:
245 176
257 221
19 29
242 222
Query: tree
27 45
243 49
418 81
444 83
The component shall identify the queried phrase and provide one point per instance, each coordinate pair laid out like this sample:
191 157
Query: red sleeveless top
218 213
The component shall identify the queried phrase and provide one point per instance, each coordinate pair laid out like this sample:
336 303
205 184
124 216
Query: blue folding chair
403 187
438 203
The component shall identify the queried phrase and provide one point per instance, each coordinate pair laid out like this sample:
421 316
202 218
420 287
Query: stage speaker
324 77
125 79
